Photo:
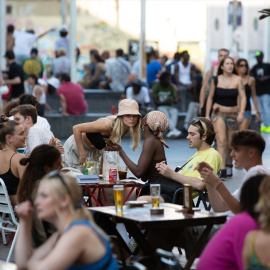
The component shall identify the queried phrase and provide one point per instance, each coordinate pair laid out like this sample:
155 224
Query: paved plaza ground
177 154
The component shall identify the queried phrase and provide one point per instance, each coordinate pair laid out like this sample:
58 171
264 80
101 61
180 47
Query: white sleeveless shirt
184 73
42 98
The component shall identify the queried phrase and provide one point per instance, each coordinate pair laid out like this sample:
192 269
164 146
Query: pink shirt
224 251
74 97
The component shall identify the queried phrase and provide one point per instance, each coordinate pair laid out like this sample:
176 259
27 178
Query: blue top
105 263
152 70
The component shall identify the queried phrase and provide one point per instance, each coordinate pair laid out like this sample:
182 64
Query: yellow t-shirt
210 156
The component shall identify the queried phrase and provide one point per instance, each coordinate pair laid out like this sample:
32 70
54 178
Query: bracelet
218 184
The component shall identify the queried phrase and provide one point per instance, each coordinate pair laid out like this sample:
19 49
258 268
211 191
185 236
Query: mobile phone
108 141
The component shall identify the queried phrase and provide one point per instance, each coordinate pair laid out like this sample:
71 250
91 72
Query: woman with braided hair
12 137
153 125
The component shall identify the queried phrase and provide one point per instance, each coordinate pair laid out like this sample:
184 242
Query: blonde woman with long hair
77 244
88 139
256 246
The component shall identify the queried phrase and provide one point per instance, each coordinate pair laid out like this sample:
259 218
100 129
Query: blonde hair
263 205
71 188
118 130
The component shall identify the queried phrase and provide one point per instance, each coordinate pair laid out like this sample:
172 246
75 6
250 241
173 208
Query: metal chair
202 197
8 220
166 260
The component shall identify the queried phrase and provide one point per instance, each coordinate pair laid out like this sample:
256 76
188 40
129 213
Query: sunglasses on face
57 174
243 65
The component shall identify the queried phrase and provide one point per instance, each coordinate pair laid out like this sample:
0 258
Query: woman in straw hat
88 139
153 125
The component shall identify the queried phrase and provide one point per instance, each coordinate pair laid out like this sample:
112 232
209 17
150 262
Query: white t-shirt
24 42
142 98
41 121
253 171
37 135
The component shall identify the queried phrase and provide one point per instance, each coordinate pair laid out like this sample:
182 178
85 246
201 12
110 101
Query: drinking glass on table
123 172
90 165
155 194
118 192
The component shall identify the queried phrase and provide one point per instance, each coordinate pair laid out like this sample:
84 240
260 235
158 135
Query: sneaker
177 132
267 130
263 129
170 134
222 174
229 170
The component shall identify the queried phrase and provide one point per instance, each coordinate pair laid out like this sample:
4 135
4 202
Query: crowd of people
50 208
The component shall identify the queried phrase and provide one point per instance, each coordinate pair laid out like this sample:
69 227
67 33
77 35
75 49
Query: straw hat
128 106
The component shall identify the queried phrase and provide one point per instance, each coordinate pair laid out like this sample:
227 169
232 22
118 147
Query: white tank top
42 98
184 73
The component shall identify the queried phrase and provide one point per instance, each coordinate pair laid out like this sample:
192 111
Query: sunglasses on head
57 174
196 121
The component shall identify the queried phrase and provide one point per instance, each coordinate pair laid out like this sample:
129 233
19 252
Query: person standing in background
249 83
211 72
261 73
63 41
170 67
10 40
184 72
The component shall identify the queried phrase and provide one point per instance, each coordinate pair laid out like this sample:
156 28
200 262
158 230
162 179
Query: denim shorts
247 114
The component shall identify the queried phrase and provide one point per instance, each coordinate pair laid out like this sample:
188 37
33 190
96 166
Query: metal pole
142 56
208 41
63 11
2 34
266 37
73 39
234 26
2 41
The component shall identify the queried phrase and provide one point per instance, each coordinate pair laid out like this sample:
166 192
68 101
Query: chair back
166 260
5 205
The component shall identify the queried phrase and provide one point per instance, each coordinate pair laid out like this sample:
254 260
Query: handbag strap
177 169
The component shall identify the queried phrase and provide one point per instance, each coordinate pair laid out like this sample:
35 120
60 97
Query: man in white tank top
184 72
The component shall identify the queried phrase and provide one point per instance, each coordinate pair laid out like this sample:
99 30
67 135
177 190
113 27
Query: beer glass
155 194
118 191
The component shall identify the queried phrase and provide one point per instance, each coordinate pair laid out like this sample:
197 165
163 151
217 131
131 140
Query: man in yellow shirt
201 135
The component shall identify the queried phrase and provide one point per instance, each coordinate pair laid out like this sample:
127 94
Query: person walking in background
209 75
261 73
71 97
184 72
249 83
227 113
164 96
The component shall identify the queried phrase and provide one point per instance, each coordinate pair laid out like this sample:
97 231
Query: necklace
5 149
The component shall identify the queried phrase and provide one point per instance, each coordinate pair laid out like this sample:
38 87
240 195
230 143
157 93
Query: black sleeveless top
10 180
97 139
225 97
152 174
248 95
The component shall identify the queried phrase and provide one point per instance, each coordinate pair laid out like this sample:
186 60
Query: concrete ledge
62 126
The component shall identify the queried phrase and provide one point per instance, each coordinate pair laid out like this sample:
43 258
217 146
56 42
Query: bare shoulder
251 80
18 156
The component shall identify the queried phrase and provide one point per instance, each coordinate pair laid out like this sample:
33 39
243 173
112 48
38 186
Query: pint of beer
155 194
118 191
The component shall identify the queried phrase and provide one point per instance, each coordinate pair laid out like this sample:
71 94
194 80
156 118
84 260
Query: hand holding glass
155 194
